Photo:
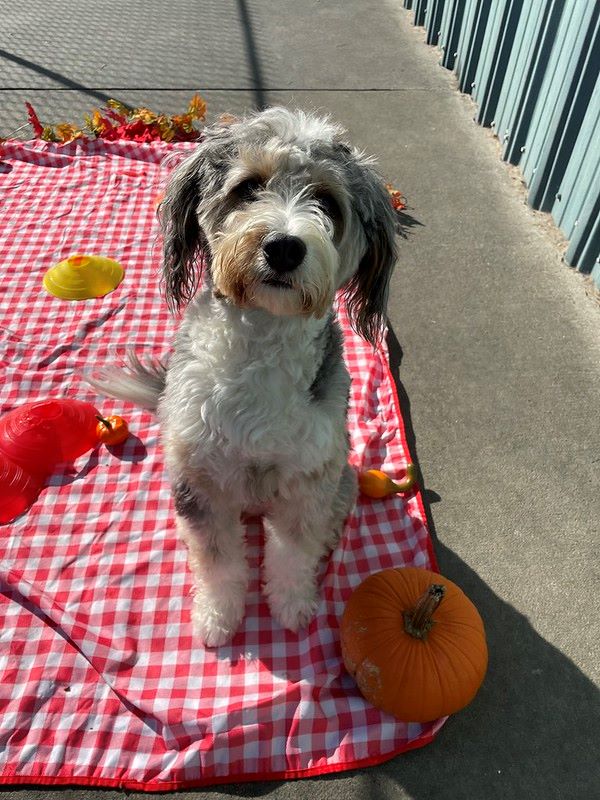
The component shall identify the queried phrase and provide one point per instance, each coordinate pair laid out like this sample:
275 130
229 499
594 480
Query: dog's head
283 213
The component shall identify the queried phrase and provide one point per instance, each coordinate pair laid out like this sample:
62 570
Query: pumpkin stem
104 422
418 622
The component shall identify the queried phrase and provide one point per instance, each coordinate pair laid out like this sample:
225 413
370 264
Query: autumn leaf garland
117 121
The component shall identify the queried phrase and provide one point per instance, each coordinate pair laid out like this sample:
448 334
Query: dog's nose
283 252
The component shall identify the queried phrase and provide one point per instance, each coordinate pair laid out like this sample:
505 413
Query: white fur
244 425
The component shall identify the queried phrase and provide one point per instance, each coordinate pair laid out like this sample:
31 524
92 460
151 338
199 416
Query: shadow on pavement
259 90
530 732
67 83
406 222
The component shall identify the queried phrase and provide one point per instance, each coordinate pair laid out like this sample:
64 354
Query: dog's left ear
366 293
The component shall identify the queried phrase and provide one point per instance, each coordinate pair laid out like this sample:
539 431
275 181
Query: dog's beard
233 269
240 273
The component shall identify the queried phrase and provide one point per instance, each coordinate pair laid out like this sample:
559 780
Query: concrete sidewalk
494 343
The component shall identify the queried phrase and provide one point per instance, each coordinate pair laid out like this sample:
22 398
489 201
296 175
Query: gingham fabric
101 679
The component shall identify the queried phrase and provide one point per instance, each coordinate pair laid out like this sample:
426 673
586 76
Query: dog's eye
329 205
247 190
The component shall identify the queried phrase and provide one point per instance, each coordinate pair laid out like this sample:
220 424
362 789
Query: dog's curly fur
270 216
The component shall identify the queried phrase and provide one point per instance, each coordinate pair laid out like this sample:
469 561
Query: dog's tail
138 383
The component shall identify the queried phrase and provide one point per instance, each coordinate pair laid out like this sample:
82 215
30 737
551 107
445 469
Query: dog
263 224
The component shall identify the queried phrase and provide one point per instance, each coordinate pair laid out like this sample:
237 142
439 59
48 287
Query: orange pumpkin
375 483
414 643
111 430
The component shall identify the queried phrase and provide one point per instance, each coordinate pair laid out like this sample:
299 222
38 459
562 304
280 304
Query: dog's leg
215 538
343 503
300 531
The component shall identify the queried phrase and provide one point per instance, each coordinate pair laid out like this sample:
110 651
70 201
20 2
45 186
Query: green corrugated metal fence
533 68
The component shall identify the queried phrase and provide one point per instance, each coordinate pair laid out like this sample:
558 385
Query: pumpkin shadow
531 731
132 449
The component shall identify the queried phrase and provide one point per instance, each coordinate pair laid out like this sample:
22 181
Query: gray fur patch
187 503
332 354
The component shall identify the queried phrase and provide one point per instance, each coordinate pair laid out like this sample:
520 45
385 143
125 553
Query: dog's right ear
192 187
183 238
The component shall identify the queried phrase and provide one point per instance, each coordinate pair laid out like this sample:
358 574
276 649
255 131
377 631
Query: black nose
283 253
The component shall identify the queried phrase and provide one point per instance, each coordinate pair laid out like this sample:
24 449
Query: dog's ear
183 240
192 188
366 293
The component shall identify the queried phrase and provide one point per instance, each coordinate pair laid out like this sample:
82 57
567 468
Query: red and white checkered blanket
101 679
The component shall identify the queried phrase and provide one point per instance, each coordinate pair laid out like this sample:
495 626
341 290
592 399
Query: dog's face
283 213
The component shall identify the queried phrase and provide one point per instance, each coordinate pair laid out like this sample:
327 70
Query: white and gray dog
270 216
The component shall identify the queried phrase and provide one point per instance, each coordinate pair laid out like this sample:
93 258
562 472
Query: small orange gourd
414 643
111 430
376 484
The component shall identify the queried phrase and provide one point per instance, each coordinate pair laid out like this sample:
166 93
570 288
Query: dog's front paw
293 610
213 624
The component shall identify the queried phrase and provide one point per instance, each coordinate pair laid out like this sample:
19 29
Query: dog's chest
263 414
244 405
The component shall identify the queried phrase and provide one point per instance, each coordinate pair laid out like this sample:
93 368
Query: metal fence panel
582 175
519 67
541 36
533 68
576 209
469 42
488 50
453 32
446 27
433 19
420 7
564 98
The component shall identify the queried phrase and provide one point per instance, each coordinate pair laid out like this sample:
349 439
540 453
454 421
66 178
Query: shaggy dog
263 224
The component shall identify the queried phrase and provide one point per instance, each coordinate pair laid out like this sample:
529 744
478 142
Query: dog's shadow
532 730
405 222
